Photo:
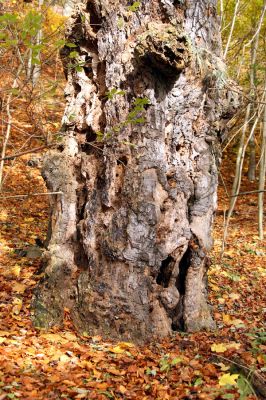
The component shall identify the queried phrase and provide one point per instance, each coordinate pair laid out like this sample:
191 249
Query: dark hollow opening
165 272
95 20
77 88
88 66
169 54
122 161
90 135
183 268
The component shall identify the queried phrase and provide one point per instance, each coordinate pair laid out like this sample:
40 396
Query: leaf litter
63 364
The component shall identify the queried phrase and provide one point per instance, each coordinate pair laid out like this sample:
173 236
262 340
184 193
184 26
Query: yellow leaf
215 288
28 219
17 306
97 373
234 296
5 333
234 346
122 389
230 253
19 287
2 340
228 379
70 336
219 348
126 345
227 319
53 337
116 350
15 270
64 358
224 367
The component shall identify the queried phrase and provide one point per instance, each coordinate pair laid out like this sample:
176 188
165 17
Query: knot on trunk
165 47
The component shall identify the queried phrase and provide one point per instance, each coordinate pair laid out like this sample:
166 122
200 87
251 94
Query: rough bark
131 232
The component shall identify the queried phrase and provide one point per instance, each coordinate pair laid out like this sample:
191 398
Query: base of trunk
129 303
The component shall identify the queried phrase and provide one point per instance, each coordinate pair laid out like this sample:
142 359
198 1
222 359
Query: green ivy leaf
135 6
120 22
69 44
73 54
114 92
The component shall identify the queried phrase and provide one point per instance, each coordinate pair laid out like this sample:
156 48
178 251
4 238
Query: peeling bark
131 232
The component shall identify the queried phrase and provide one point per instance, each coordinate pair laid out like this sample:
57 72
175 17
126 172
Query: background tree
243 30
30 35
137 168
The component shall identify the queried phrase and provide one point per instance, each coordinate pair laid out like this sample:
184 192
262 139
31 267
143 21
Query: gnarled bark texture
131 231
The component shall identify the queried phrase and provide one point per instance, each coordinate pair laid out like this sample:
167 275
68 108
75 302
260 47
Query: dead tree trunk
132 228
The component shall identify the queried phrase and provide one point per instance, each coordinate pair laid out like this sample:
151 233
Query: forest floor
62 364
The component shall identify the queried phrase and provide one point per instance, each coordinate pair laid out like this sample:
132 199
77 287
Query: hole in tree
165 272
77 88
174 327
122 161
178 323
183 268
169 54
88 66
178 3
90 138
90 135
95 20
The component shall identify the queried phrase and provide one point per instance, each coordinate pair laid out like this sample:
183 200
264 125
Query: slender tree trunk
131 232
262 178
237 3
253 94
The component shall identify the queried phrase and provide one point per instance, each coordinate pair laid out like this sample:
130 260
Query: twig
29 195
231 29
26 152
244 193
224 185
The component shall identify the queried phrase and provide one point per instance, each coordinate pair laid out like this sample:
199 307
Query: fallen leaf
229 320
19 287
234 296
228 379
4 333
115 371
30 219
15 270
214 287
224 367
64 358
126 345
122 389
17 306
117 350
234 346
218 348
53 337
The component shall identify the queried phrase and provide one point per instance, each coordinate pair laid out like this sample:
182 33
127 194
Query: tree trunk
131 231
